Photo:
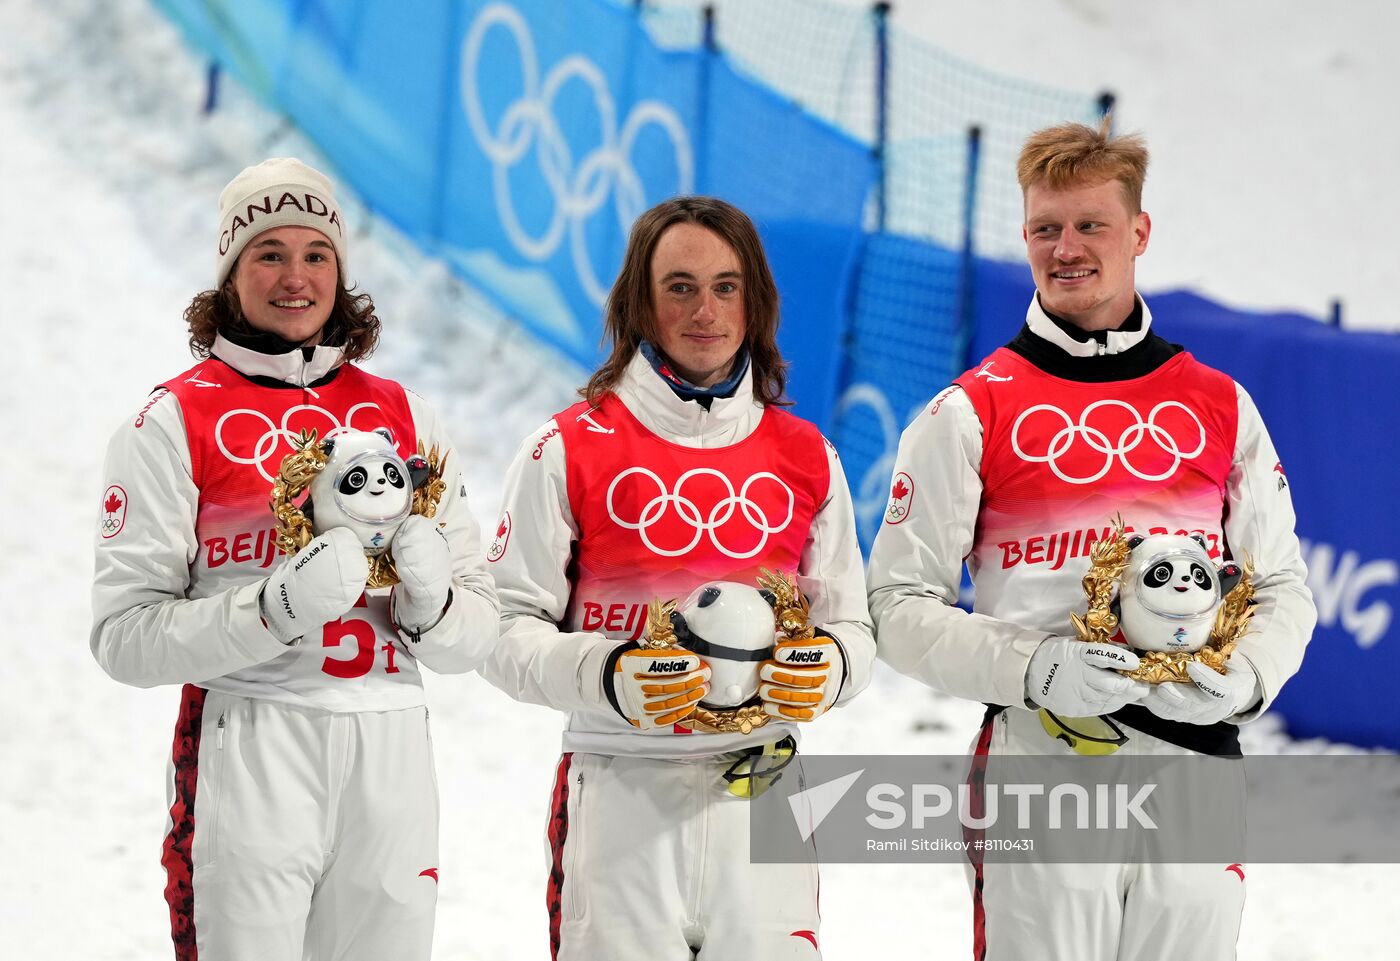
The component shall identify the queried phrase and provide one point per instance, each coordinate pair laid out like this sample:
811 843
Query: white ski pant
1098 912
649 861
300 834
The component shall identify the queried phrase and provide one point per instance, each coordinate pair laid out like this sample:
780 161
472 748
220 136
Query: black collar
1138 360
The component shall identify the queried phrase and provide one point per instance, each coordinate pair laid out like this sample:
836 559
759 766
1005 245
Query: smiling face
697 290
286 280
1178 585
1082 243
374 488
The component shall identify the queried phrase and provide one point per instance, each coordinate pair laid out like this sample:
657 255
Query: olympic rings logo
578 190
1128 441
688 512
272 439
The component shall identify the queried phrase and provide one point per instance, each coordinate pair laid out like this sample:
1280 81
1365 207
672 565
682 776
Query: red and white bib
238 433
657 519
1061 459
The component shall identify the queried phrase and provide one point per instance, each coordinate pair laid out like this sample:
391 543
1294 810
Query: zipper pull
221 732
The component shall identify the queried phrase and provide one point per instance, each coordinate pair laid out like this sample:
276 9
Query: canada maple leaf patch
901 498
113 511
497 550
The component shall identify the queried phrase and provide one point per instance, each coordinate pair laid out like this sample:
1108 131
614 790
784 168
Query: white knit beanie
279 192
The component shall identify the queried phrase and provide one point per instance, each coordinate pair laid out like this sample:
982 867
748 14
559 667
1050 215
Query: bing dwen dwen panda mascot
365 486
730 625
354 479
1170 593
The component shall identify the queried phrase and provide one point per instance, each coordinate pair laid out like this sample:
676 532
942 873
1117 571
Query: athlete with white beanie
303 801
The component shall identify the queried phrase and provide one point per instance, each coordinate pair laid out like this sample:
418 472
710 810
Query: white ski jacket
171 608
916 564
541 661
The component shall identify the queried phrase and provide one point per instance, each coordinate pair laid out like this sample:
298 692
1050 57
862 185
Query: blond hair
1077 155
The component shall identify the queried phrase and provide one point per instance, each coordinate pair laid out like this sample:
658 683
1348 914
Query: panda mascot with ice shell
365 486
1170 593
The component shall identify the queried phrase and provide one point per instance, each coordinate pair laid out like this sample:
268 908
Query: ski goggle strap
1090 736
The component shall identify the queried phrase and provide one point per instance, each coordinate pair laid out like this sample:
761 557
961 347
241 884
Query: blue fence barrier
518 141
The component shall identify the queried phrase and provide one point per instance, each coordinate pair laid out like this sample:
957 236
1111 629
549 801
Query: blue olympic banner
519 141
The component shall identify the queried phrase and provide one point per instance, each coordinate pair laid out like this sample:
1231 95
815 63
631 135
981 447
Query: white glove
1212 697
315 585
1072 678
652 688
424 563
802 679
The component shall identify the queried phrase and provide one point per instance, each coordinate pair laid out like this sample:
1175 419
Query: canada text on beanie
279 192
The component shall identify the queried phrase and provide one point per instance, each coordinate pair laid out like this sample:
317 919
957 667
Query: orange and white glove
803 678
656 688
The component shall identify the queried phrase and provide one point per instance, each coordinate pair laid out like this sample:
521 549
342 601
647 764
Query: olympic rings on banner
578 190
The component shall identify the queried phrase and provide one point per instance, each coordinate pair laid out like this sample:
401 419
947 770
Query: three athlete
277 843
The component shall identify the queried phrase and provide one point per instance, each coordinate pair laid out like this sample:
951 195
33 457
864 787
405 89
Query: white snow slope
111 177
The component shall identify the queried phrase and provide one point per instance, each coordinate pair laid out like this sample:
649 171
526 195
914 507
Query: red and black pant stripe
977 804
176 854
558 833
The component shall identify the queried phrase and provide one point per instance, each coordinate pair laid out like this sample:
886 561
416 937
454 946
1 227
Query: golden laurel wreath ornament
1189 588
791 621
336 471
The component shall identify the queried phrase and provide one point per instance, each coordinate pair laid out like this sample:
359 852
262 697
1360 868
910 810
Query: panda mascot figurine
729 625
365 486
1170 592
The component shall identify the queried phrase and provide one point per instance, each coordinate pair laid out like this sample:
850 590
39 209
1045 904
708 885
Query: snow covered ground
111 177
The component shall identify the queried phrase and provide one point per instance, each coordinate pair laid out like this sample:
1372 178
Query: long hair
352 323
630 315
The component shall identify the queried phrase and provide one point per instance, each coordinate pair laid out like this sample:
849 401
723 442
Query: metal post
709 49
967 302
211 87
1106 101
882 62
1335 316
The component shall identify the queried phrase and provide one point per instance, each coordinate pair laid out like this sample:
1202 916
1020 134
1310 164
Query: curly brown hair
630 315
352 323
